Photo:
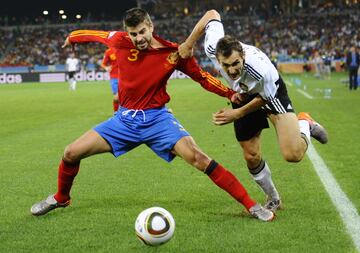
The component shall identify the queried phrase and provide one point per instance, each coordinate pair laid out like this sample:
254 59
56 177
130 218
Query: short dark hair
227 45
135 16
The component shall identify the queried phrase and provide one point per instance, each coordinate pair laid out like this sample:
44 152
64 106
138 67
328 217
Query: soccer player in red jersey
148 62
109 63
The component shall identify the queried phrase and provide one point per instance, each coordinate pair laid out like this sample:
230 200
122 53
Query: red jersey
146 72
110 59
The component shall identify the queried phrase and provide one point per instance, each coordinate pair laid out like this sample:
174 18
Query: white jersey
72 64
258 75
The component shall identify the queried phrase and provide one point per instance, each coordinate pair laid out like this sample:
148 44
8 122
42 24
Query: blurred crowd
296 37
42 46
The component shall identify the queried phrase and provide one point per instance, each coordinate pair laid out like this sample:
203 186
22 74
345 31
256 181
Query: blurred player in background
327 59
109 63
72 65
263 93
353 62
319 65
148 62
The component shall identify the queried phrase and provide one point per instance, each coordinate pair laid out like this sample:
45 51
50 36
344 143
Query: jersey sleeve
263 84
270 87
81 36
263 72
214 31
207 81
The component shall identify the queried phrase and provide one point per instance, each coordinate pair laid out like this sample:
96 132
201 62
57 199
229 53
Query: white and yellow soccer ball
155 226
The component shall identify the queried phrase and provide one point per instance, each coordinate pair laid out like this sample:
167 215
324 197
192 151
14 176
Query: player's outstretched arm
225 116
81 36
68 43
186 48
192 69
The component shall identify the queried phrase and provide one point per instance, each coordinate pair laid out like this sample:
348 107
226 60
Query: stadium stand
291 36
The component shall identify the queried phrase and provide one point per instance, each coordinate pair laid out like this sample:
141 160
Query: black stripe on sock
258 169
75 164
211 167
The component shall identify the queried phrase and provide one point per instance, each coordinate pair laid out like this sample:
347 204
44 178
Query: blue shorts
157 128
114 85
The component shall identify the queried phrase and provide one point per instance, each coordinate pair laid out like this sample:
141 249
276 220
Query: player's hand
185 50
108 68
68 43
225 116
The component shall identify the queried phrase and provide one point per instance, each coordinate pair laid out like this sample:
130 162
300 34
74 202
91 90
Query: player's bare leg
191 153
294 134
88 144
293 142
260 171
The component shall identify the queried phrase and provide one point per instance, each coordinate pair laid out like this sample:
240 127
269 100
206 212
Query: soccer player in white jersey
72 66
263 94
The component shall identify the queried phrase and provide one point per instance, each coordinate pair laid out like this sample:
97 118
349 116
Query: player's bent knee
252 158
191 153
293 156
70 155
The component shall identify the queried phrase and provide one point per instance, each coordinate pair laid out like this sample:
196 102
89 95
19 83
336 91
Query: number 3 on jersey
133 54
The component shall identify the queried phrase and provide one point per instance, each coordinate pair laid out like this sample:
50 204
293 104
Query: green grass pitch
38 120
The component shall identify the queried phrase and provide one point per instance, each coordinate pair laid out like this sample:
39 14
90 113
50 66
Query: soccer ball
154 226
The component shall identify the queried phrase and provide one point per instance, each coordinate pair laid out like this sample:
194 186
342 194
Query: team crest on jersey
113 57
243 87
173 58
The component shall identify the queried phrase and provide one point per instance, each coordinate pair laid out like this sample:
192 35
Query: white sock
305 128
264 180
73 84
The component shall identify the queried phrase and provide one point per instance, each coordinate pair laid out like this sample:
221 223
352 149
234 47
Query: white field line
307 95
346 209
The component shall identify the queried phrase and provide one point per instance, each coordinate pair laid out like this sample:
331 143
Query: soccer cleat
261 213
273 204
317 131
45 206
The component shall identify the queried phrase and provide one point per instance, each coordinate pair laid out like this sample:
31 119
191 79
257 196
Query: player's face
233 65
141 35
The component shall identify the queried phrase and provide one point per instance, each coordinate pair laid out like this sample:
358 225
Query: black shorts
71 74
248 126
281 103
